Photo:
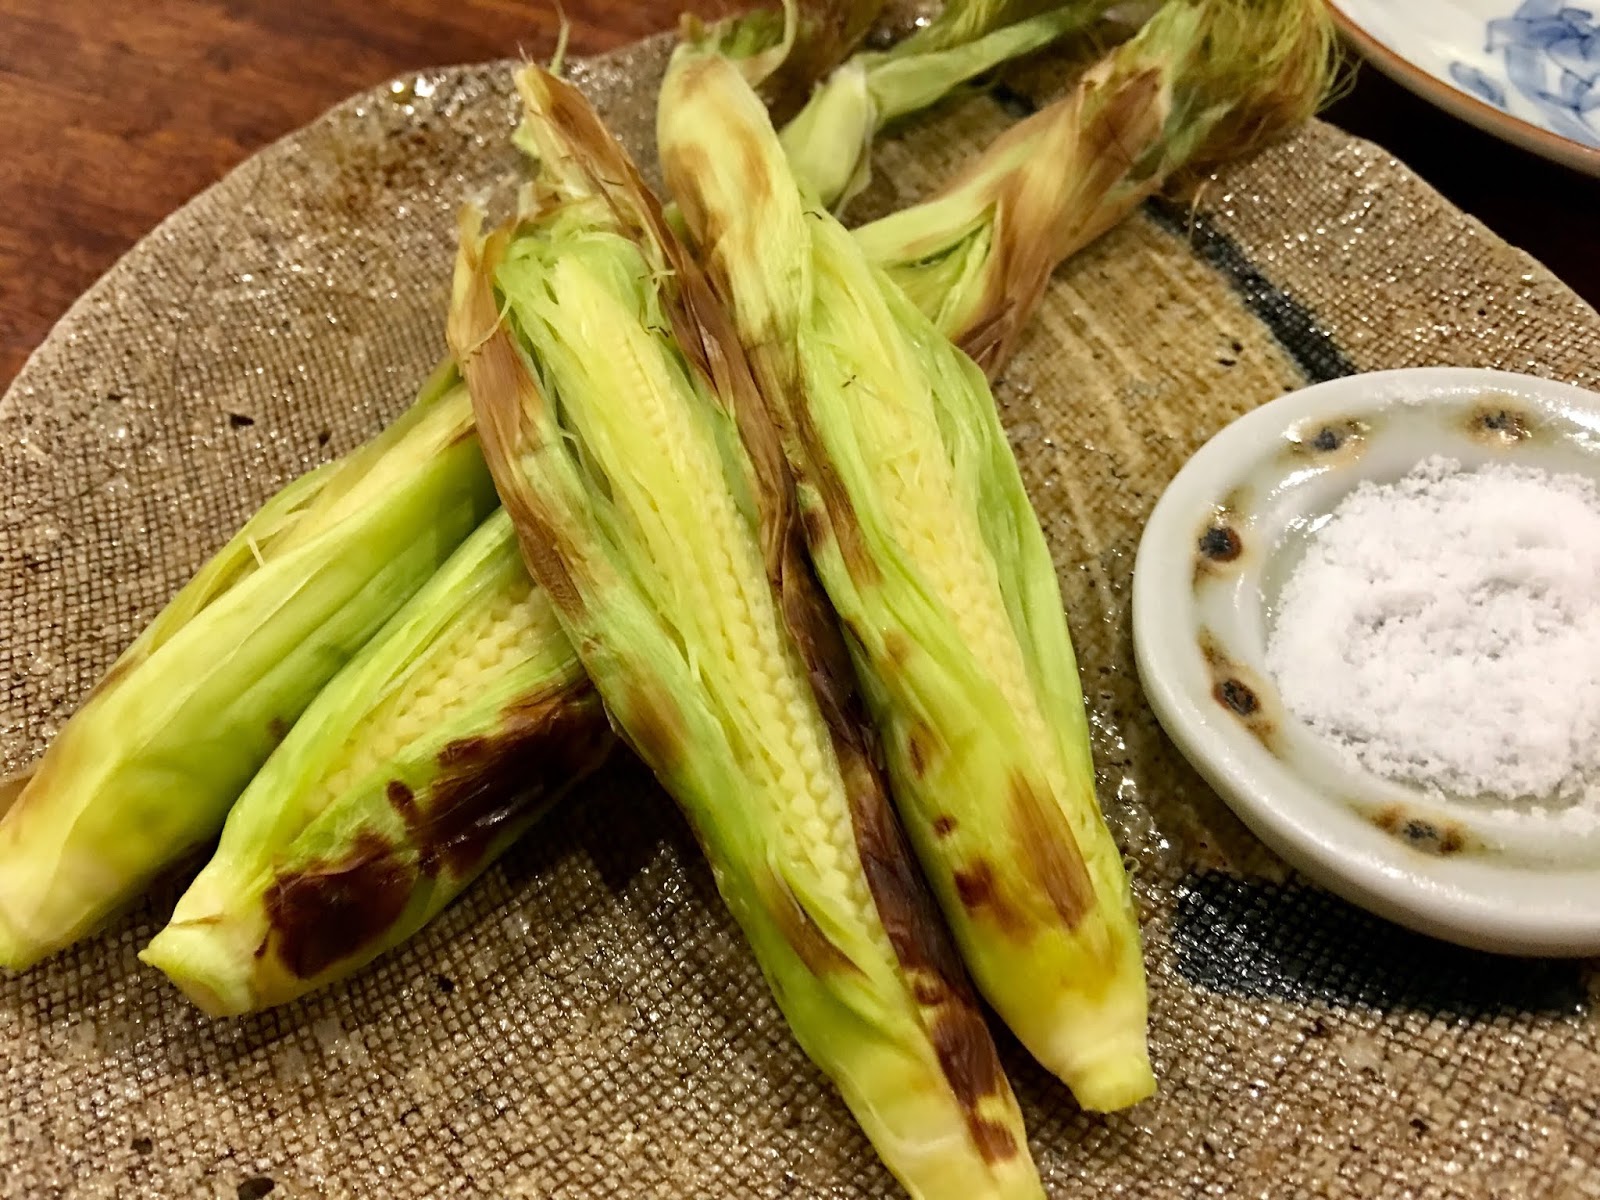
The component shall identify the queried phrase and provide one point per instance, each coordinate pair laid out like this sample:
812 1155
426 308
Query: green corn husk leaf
144 772
829 142
784 51
960 22
452 731
1203 82
922 533
650 496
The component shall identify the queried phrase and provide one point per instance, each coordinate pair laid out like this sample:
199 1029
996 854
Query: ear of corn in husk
631 449
830 139
1204 81
445 738
144 772
922 533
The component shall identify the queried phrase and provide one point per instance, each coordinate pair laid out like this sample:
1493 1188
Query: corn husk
443 740
143 774
923 536
829 141
650 497
1203 82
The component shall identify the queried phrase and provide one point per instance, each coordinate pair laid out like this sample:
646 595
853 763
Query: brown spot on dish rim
1434 836
1237 696
1219 542
1233 691
1499 424
1341 439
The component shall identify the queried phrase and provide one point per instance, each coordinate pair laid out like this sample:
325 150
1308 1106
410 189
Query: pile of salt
1444 630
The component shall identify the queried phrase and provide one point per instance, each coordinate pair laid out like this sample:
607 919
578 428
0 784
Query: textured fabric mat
585 1022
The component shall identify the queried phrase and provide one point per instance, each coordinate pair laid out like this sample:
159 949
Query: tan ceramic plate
584 1023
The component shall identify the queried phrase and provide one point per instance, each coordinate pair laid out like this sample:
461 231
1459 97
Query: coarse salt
1444 631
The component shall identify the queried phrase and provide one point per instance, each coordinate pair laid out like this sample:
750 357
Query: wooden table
112 115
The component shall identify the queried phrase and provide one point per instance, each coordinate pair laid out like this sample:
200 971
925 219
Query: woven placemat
585 1022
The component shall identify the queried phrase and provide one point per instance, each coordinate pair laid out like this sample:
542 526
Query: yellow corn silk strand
624 432
452 731
922 533
1204 81
144 773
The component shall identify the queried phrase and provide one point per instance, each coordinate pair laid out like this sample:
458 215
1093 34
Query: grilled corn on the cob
144 772
922 533
627 440
417 765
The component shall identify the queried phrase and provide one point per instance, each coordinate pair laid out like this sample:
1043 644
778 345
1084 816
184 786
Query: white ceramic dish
1212 559
1527 71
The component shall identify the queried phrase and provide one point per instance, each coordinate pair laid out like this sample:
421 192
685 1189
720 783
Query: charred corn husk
144 772
444 739
923 536
1204 81
783 51
829 141
620 421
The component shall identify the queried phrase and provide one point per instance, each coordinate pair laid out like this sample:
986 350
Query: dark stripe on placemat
1313 350
1298 942
1011 101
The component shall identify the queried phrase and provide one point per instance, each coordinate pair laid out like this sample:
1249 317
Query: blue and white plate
1527 71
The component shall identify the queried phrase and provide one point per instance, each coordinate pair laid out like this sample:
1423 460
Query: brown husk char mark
1033 239
488 783
705 335
785 54
325 912
1055 861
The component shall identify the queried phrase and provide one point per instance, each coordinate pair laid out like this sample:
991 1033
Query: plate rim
1421 82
